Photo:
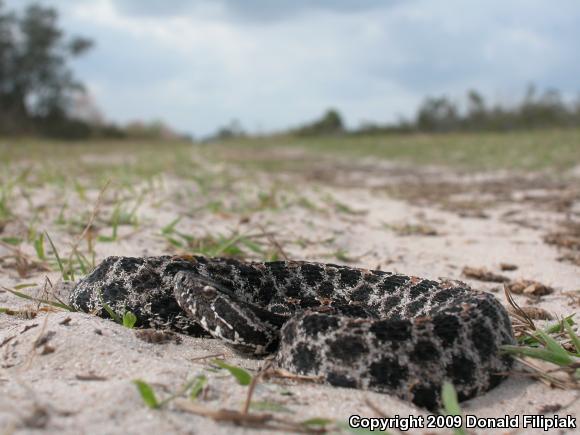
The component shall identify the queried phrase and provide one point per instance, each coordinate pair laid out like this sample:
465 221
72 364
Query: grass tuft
56 304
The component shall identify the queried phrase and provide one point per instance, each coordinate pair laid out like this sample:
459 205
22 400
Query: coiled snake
356 328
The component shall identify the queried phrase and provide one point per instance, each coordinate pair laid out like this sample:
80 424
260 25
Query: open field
421 205
525 150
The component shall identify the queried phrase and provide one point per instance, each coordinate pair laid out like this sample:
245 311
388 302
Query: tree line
537 110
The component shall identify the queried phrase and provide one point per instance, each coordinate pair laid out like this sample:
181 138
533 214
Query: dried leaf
537 313
483 274
529 288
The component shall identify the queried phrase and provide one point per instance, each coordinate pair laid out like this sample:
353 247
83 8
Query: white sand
40 393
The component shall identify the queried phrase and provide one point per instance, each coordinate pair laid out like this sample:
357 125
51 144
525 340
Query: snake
351 327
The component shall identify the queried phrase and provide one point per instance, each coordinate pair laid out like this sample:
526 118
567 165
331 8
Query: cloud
271 64
264 11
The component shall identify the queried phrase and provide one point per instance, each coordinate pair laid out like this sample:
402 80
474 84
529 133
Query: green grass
530 150
57 303
75 167
541 345
34 162
451 407
242 376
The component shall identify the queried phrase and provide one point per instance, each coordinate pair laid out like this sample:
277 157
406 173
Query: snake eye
209 292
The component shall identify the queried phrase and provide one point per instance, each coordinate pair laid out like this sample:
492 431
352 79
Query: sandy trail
378 216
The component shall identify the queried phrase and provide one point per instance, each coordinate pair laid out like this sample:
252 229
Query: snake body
356 328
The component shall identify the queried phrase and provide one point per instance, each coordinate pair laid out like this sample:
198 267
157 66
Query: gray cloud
249 10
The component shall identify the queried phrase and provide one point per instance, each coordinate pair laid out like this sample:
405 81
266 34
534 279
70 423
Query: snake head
244 327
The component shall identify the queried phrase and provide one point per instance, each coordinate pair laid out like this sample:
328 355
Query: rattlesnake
354 327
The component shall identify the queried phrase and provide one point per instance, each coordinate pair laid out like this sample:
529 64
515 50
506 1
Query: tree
546 110
36 84
330 123
476 111
437 114
233 130
475 103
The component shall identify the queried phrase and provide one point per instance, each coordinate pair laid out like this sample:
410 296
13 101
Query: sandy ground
72 373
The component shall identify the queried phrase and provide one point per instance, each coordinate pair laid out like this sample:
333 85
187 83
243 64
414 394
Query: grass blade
451 404
109 310
83 262
269 407
226 244
40 300
317 422
58 260
534 352
573 337
170 227
242 376
199 384
129 319
147 394
25 285
553 345
39 247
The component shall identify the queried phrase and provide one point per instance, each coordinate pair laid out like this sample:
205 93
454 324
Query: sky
273 64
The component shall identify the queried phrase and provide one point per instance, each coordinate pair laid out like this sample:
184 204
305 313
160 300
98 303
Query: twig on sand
265 367
272 239
283 374
379 412
374 408
204 357
249 419
255 421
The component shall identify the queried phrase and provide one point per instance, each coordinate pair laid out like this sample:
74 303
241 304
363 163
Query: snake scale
356 328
